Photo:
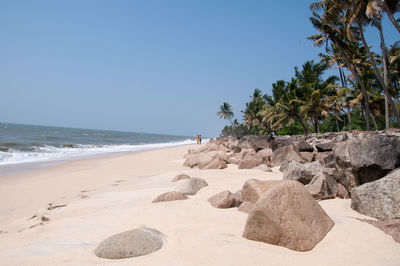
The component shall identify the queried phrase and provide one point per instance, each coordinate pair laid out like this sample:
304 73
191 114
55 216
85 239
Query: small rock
179 177
170 196
129 244
224 200
190 186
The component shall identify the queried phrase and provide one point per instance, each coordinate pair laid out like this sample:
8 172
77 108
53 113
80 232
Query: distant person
200 139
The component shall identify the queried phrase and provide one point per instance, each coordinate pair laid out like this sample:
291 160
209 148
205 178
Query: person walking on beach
198 139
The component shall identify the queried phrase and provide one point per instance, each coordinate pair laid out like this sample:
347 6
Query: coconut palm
331 28
225 112
251 114
391 7
281 110
355 13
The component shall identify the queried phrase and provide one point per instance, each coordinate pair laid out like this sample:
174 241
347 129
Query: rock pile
329 165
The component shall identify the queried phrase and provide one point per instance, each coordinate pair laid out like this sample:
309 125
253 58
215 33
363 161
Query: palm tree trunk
355 74
349 118
363 115
302 125
385 71
390 15
374 120
378 75
337 125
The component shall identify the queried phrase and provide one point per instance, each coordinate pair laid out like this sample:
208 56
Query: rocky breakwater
360 165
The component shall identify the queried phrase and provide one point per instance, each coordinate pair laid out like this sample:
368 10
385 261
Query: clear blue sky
146 66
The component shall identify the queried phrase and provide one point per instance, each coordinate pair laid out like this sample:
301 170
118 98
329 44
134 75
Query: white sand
118 196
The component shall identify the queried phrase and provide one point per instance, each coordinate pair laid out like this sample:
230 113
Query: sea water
29 143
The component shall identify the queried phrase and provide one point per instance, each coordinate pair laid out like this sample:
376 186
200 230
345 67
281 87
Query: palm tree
252 116
280 109
390 7
356 14
331 28
225 112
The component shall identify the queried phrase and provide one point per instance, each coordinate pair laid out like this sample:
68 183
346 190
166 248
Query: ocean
29 143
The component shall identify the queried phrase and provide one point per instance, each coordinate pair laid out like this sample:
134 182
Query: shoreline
109 195
26 167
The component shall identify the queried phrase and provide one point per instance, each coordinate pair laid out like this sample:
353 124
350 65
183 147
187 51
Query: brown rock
246 207
308 156
170 196
179 177
250 163
253 189
288 216
342 192
286 153
217 163
224 200
390 227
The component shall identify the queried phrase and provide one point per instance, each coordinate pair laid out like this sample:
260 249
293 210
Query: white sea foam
49 153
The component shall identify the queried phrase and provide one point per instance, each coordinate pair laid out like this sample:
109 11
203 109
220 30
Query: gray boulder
325 146
304 146
129 244
190 186
359 161
286 153
322 185
379 199
303 173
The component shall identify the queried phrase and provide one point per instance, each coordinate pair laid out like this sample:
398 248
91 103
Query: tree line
364 96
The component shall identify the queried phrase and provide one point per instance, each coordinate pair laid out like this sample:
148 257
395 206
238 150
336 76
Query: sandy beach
110 195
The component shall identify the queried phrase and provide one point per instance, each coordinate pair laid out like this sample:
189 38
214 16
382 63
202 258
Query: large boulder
236 158
249 163
190 186
288 216
217 163
379 199
225 199
129 244
264 155
343 164
325 146
359 161
286 153
304 146
322 185
253 189
303 173
170 196
260 142
203 159
390 227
